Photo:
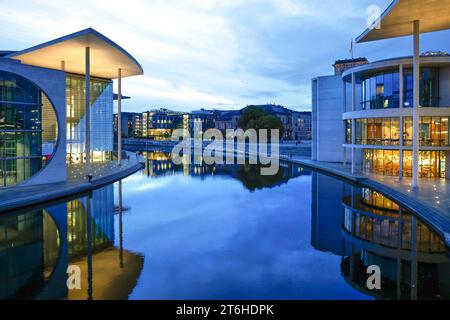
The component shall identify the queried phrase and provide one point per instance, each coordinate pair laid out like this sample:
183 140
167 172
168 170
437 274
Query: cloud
212 53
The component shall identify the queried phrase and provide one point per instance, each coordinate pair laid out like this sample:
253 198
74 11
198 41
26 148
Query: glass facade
378 131
28 129
382 90
387 162
383 162
431 164
348 131
101 119
433 131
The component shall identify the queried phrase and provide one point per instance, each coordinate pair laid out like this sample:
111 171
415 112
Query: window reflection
28 129
101 119
382 91
433 131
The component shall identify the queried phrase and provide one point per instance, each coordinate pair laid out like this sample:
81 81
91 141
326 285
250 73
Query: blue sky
220 54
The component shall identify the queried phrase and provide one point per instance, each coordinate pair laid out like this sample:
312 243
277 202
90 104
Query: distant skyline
214 54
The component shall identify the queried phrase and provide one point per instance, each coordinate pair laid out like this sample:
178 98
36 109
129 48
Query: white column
120 226
119 118
343 111
401 123
88 111
416 71
353 123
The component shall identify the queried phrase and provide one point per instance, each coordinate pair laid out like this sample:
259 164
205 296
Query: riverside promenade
25 197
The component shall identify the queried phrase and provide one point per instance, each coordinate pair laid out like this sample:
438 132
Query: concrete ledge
24 197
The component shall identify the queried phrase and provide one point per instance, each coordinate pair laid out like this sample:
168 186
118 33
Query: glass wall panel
429 87
348 131
386 162
383 162
378 131
431 164
433 131
23 122
382 90
101 119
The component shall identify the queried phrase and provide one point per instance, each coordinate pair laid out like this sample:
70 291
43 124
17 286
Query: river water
220 232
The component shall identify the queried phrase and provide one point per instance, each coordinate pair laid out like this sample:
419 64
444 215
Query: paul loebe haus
389 117
383 119
44 122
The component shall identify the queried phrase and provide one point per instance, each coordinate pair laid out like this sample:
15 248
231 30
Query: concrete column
345 110
414 264
401 102
447 165
89 248
119 118
399 250
401 86
353 123
88 111
120 227
353 92
353 146
416 71
345 156
400 173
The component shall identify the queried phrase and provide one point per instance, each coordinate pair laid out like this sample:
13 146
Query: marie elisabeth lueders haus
43 116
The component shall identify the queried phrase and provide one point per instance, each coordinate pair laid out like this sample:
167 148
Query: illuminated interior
387 162
101 119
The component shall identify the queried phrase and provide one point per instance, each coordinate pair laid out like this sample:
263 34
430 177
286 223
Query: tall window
433 131
429 87
382 90
431 164
28 129
101 119
383 162
348 131
378 131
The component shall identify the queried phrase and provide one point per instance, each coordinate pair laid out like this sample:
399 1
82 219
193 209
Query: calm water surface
221 232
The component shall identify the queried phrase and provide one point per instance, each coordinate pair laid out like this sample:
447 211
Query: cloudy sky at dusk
220 54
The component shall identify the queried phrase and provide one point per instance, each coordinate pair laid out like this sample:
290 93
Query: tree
256 118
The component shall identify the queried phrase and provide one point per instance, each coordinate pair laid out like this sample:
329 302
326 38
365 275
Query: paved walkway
103 174
431 201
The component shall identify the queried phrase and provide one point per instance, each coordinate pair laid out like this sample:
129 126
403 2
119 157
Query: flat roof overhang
106 57
396 21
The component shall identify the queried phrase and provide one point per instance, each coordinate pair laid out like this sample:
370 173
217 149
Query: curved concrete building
45 127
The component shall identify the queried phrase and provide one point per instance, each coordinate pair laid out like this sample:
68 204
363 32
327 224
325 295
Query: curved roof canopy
106 57
396 21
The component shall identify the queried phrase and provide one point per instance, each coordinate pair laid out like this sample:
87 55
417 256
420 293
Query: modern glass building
45 124
383 116
389 117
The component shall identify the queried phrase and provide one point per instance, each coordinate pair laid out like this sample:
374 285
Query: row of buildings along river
159 124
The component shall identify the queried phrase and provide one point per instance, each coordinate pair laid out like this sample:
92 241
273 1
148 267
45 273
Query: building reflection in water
159 164
366 228
36 248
